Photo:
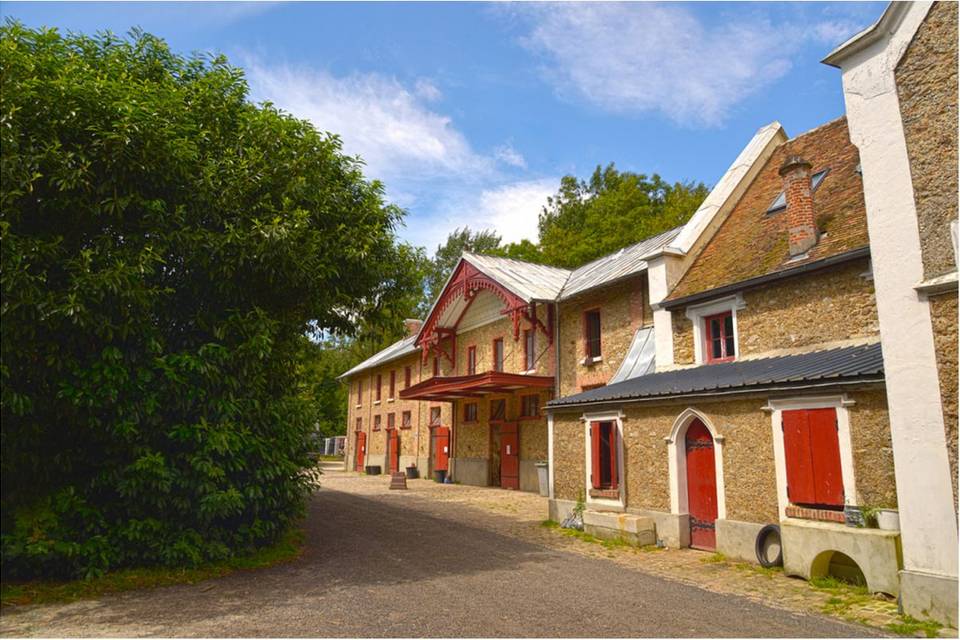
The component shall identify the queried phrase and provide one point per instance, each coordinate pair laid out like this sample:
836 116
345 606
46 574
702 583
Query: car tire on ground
769 547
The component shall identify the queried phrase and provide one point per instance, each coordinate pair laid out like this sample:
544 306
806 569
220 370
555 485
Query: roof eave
876 32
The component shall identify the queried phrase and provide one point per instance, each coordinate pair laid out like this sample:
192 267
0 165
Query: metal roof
528 280
641 357
843 365
396 350
613 267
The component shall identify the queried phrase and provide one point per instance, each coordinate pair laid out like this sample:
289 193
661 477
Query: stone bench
638 530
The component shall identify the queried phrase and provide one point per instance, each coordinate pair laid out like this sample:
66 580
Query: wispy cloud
378 118
635 58
507 154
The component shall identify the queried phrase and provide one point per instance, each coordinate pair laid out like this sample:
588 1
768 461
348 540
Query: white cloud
377 117
427 90
513 210
508 155
633 58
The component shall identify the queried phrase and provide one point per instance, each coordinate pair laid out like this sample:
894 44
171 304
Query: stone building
900 88
754 381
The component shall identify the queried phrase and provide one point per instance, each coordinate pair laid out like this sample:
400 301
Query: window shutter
614 443
595 457
799 458
825 451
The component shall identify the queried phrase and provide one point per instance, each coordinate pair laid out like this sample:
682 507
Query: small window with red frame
435 416
436 366
393 385
498 354
529 350
591 335
603 450
359 424
391 421
406 420
359 393
379 387
498 410
720 342
407 377
376 423
471 360
530 406
470 412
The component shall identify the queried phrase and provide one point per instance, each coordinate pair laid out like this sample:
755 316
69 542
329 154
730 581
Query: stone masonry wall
943 314
927 88
872 449
624 308
827 306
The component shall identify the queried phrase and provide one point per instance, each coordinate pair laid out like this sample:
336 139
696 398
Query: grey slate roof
396 350
528 280
623 263
861 363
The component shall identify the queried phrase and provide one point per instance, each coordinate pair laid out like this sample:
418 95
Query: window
471 360
718 331
498 410
470 412
780 202
359 392
406 420
498 354
376 423
434 416
379 386
359 424
407 376
529 354
529 406
391 421
811 447
591 334
393 385
436 366
603 450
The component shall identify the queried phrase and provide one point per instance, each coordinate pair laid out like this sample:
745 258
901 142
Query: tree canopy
166 247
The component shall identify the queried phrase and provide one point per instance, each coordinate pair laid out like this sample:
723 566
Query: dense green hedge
165 246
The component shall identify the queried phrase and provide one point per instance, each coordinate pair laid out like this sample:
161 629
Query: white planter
888 520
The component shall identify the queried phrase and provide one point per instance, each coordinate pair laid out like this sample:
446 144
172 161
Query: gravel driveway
402 564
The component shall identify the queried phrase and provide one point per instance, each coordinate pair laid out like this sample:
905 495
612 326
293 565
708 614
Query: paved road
402 566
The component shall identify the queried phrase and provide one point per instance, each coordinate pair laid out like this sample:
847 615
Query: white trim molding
550 453
615 416
677 462
696 313
840 403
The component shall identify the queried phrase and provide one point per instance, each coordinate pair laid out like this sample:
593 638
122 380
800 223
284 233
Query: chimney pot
801 225
413 326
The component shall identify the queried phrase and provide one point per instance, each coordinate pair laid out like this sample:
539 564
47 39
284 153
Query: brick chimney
796 188
413 326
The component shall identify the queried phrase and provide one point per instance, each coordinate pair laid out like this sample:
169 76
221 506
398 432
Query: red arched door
701 487
361 449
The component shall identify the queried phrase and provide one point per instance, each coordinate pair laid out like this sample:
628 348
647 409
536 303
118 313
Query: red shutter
825 447
595 454
799 459
613 456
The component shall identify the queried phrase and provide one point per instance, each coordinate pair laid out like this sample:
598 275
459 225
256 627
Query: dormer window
718 331
780 202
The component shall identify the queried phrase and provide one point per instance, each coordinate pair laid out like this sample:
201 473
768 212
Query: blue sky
470 113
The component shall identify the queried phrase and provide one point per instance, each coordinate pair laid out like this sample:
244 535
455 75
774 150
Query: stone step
638 530
398 481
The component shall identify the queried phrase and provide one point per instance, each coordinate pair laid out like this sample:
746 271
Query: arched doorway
701 486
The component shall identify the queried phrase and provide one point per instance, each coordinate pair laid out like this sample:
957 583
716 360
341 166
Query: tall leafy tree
166 246
587 219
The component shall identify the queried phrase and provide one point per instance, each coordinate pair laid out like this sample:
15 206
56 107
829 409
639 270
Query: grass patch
550 524
611 544
843 595
714 558
327 458
910 626
42 592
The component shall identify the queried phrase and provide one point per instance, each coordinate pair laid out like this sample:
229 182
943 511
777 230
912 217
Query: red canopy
449 388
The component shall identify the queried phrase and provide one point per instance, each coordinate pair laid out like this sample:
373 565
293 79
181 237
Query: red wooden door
361 449
701 487
393 449
509 456
811 446
441 448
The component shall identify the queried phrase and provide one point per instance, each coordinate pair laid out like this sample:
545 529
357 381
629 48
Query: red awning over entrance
449 388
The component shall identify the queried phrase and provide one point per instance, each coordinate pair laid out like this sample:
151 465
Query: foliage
166 245
288 547
588 219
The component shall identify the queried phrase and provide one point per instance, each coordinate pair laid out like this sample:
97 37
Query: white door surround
677 458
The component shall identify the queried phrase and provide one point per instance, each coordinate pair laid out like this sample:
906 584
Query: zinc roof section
617 265
860 363
527 280
396 350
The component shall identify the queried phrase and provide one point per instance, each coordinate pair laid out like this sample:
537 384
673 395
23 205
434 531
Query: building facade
760 379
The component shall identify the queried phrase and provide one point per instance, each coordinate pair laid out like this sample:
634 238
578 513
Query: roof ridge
817 128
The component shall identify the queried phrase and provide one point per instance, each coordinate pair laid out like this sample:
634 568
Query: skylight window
780 202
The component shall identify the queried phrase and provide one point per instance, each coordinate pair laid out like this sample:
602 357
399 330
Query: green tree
166 246
587 219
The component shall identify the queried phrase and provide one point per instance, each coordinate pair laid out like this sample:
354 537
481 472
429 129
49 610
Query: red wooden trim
614 443
595 479
479 385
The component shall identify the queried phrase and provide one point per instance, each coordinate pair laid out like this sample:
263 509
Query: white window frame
841 403
606 416
696 314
